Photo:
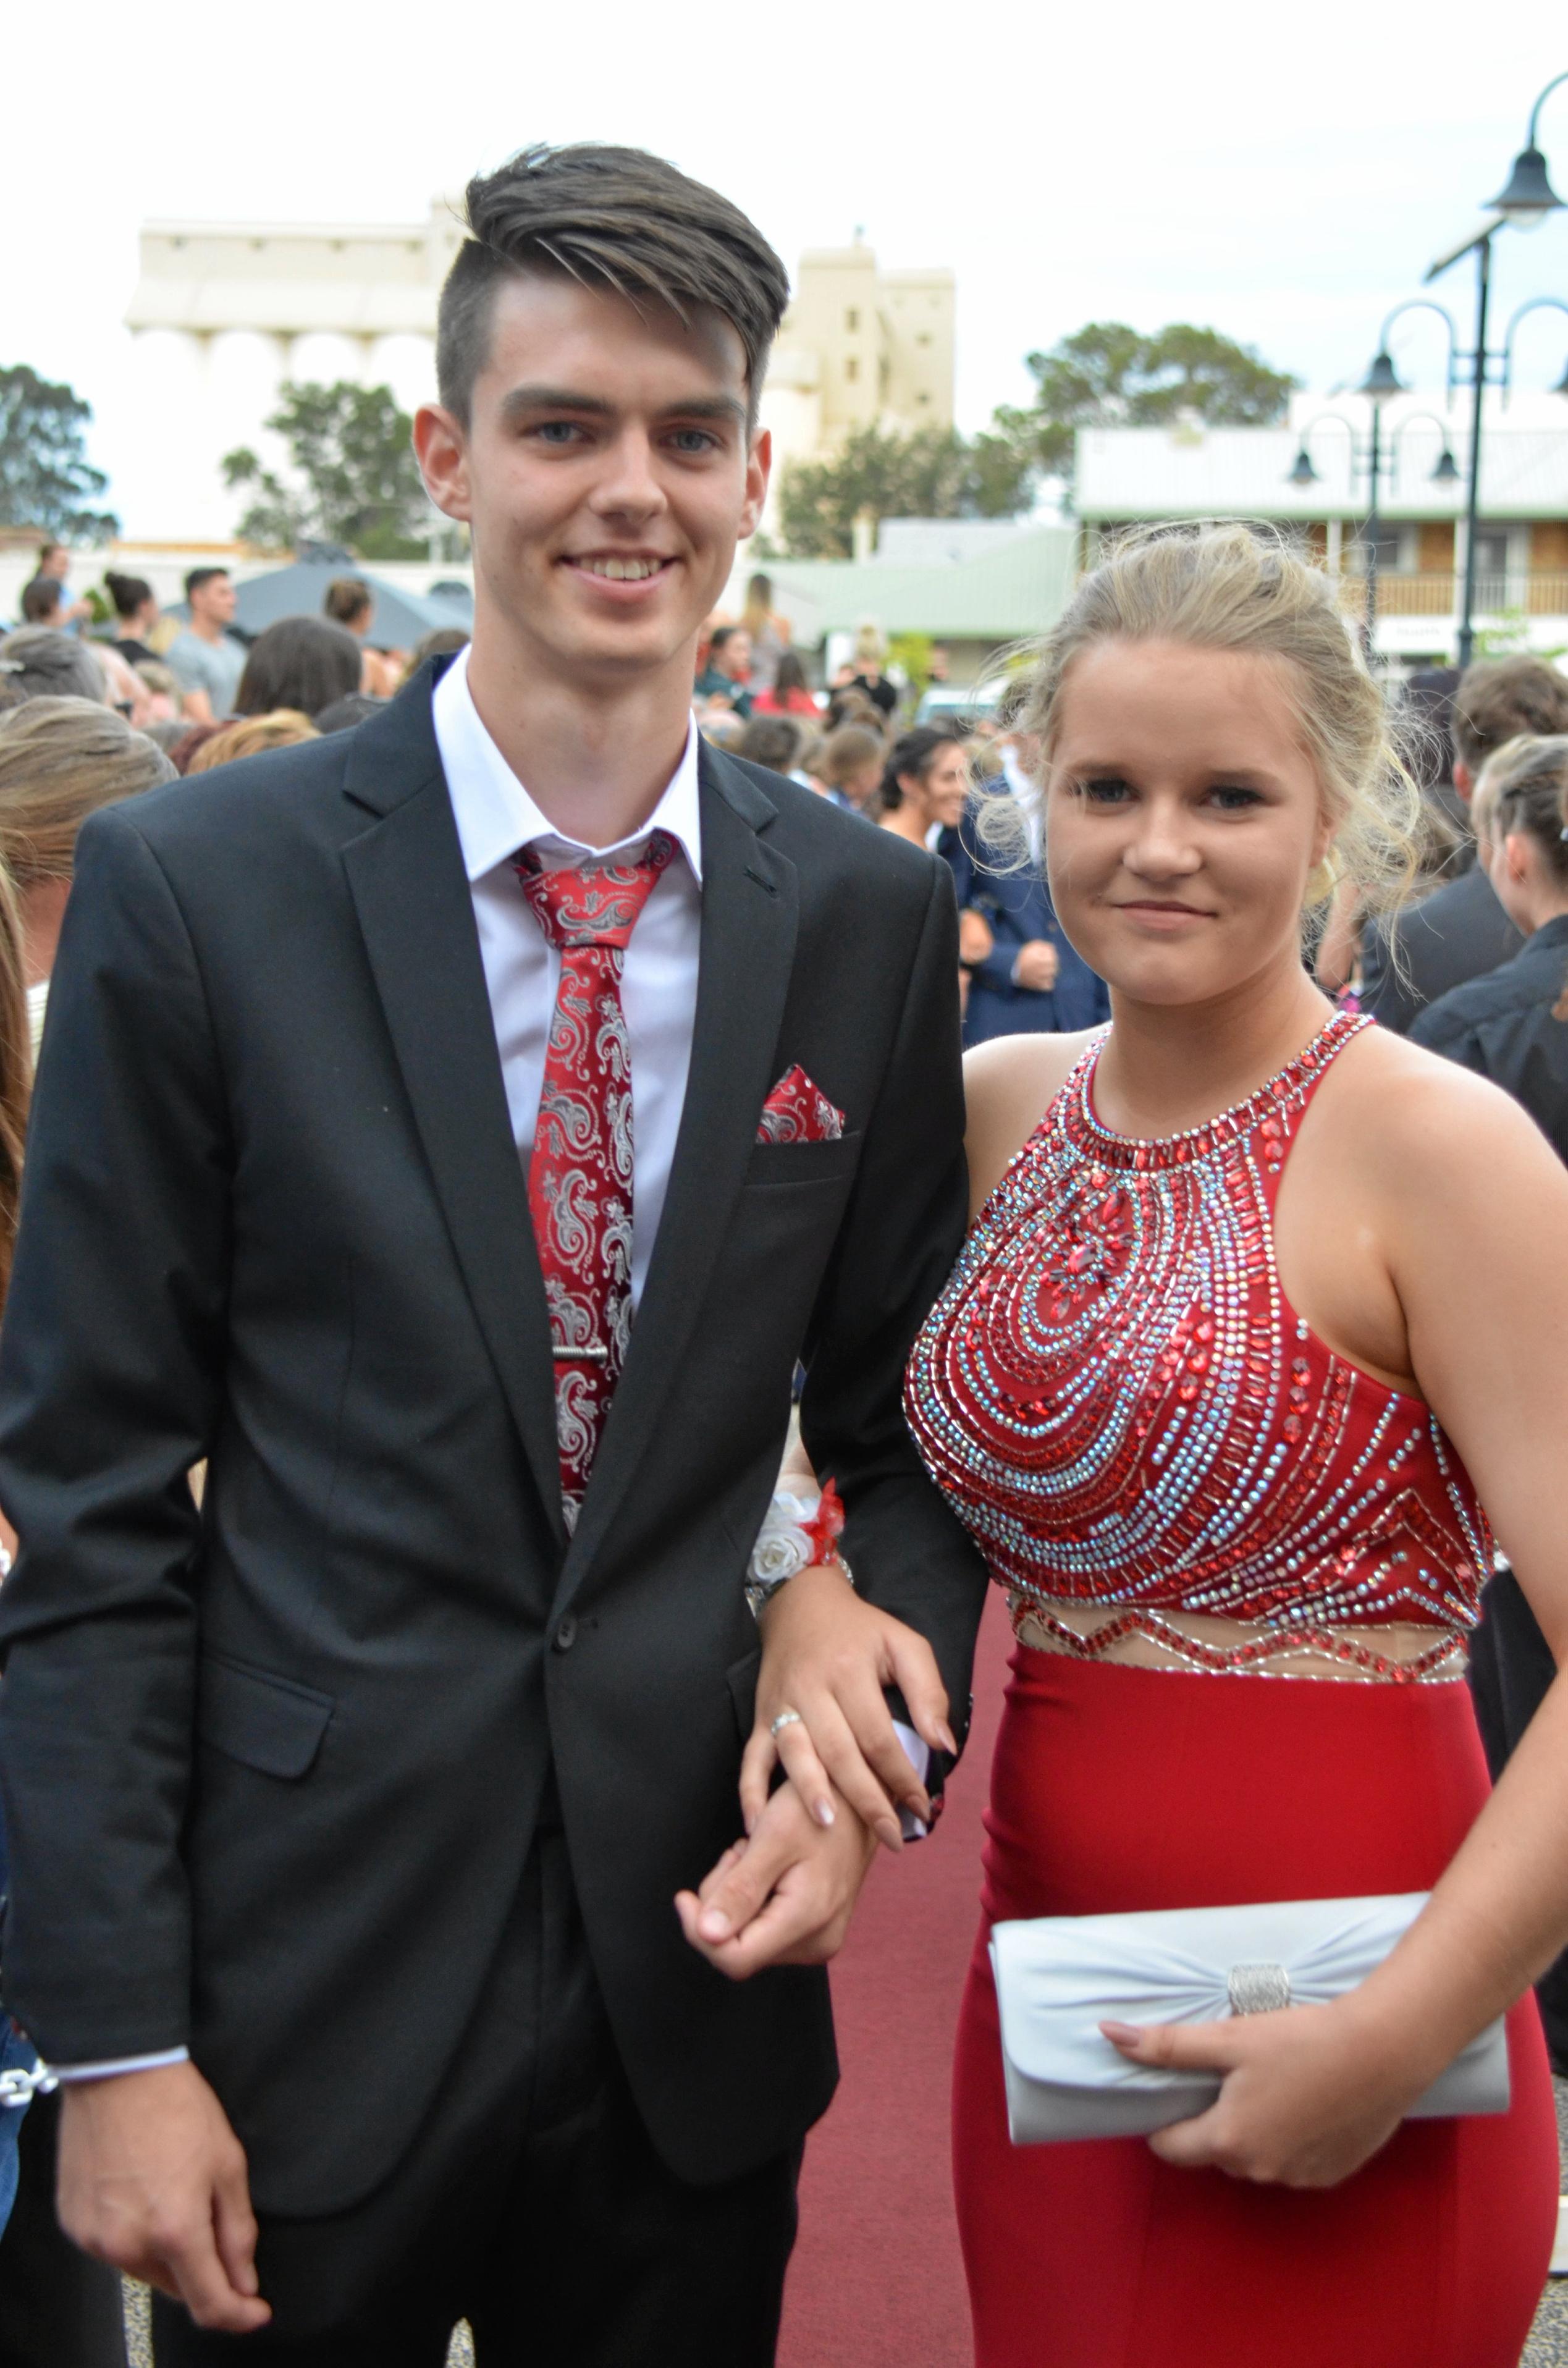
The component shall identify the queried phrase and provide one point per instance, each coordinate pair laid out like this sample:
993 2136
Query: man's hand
783 1897
1036 965
976 936
154 2181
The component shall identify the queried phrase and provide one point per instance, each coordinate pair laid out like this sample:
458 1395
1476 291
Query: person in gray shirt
205 660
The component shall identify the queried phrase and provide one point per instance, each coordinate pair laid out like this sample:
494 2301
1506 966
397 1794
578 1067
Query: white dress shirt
496 819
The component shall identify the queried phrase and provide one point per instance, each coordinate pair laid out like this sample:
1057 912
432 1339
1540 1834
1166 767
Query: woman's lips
1163 917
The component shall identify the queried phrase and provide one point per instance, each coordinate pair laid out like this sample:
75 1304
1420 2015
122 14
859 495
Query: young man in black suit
369 1826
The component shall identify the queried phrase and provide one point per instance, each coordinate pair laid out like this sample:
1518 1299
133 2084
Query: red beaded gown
1146 1441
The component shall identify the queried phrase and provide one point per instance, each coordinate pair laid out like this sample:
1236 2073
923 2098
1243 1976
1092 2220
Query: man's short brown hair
1500 699
614 218
40 600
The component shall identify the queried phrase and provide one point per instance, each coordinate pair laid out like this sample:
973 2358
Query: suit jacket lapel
749 912
406 877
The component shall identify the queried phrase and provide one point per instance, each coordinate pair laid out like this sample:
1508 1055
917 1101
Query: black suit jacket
1512 1026
271 1771
1459 932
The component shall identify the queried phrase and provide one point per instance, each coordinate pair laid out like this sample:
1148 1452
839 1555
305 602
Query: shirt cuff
114 2065
918 1755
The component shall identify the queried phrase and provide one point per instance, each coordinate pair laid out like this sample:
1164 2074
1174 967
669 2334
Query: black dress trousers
532 2204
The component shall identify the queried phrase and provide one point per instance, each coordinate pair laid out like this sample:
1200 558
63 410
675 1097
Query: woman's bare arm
1468 1206
1477 1235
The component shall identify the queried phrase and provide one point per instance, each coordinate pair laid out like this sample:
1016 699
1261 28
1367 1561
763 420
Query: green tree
933 472
1109 375
45 479
354 479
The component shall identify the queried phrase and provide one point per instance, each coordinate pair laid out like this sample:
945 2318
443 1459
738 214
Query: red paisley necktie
579 1173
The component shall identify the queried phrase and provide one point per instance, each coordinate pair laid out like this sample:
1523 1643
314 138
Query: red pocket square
798 1111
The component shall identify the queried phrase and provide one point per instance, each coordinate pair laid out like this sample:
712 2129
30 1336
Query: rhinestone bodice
1122 1406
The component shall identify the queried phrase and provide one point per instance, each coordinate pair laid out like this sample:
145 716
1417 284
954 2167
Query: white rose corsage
796 1533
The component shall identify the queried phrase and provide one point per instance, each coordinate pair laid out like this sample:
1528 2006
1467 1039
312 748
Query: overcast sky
1284 174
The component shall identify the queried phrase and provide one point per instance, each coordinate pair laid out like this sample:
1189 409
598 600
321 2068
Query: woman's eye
1231 798
1110 791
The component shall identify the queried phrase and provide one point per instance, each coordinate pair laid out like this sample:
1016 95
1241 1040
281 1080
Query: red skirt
1117 1787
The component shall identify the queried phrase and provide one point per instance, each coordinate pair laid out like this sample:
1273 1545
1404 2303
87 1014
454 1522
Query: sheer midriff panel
1386 1654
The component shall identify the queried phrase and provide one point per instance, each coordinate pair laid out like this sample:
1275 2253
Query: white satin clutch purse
1058 1977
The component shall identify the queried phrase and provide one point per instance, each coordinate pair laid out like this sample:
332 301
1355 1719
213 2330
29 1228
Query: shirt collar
496 817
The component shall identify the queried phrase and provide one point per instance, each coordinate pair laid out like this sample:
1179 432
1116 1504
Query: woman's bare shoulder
1009 1083
1432 1133
1412 1102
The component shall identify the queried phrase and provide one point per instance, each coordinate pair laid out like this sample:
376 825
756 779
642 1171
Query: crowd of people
209 698
442 1745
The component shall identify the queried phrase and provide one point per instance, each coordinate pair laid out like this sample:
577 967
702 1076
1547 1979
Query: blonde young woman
1251 1322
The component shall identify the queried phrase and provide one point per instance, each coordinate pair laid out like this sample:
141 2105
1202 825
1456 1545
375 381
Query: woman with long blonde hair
1252 1350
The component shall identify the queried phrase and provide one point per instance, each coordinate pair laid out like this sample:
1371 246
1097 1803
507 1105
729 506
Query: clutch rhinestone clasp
1262 1988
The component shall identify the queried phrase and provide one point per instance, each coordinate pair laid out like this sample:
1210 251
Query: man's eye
558 432
692 440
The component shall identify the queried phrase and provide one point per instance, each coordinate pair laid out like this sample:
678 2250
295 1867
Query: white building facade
224 313
1128 475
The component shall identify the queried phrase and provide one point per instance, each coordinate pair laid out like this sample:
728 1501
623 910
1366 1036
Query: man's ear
1465 779
440 448
759 468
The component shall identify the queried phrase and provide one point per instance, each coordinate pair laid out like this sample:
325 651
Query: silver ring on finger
785 1718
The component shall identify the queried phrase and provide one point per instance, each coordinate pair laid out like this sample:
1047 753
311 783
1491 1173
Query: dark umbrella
398 620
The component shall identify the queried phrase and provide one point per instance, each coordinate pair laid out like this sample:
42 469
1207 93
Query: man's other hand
783 1897
154 2181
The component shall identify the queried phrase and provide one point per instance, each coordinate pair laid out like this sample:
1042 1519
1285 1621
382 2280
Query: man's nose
630 486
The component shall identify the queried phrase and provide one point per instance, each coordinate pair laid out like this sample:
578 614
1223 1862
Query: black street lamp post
1528 199
1380 381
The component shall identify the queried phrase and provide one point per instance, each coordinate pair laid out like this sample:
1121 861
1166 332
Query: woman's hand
827 1655
1309 2095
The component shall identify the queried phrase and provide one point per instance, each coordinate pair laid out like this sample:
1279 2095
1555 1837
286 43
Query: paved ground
1548 2346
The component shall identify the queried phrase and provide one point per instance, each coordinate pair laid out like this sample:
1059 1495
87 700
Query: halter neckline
1284 1091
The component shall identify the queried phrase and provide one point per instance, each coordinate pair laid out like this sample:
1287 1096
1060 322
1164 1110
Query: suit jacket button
566 1634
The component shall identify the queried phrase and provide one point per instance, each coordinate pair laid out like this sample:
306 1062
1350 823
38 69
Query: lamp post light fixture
1530 196
1380 381
1535 304
1526 199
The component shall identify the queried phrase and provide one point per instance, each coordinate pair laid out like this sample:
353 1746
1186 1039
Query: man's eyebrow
553 398
520 400
707 406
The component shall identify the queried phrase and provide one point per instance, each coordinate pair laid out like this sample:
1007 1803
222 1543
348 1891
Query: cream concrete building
224 312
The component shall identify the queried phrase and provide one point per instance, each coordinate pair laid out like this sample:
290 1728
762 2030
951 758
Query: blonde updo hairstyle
1230 586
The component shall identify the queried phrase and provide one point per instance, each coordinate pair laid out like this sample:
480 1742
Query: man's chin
642 646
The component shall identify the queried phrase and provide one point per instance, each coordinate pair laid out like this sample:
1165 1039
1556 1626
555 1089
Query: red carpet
877 2280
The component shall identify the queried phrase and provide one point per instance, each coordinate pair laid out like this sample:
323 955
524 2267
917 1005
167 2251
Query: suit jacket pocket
805 1163
264 1722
